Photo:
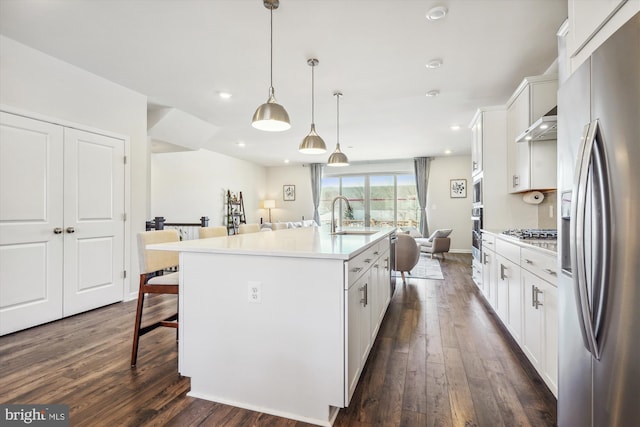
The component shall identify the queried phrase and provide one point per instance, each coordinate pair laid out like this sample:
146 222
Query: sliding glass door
375 200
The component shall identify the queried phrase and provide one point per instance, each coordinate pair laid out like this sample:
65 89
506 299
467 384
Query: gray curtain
421 168
316 188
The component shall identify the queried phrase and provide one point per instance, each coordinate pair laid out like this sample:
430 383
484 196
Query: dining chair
248 228
216 231
407 255
154 279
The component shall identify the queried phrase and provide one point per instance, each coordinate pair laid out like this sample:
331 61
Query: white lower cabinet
510 273
540 327
519 282
359 335
367 298
489 276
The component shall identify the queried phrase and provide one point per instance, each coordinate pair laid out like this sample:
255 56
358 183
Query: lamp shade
271 116
338 158
269 204
312 143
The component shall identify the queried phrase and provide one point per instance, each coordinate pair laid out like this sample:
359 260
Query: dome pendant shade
271 116
338 158
312 143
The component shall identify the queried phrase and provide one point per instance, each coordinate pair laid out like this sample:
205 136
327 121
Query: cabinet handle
475 165
365 299
368 260
386 263
537 293
516 180
484 256
502 271
376 253
533 296
528 261
57 230
356 269
550 271
71 230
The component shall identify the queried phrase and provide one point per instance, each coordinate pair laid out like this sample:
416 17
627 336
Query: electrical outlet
551 211
255 292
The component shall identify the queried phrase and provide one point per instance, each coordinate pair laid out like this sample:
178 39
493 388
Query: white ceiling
181 53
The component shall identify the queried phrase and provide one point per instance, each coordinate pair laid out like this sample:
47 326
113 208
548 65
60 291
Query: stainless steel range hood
544 129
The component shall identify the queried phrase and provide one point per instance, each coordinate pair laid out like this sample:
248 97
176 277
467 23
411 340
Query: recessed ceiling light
433 93
286 160
434 63
224 95
455 127
240 143
447 152
436 13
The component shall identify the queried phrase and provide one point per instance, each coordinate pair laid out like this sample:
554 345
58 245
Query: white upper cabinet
531 165
592 22
476 144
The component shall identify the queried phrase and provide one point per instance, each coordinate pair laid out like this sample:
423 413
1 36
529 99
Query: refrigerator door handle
603 235
578 263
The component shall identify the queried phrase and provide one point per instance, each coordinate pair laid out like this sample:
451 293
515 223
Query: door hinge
124 216
124 274
125 160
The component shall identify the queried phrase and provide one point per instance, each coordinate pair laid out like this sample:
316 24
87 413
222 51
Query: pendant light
312 143
271 116
338 158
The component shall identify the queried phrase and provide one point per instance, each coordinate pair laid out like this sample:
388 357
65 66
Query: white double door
61 221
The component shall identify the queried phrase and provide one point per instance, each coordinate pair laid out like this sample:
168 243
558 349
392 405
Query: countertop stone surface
309 242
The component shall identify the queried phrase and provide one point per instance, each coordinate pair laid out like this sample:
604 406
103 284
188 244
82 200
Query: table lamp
269 204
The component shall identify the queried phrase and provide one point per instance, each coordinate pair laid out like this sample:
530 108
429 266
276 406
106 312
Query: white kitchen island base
268 330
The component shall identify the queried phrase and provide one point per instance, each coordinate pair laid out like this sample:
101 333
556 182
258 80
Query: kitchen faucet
333 205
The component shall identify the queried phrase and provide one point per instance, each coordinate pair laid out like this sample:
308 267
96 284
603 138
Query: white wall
442 210
190 184
302 206
41 84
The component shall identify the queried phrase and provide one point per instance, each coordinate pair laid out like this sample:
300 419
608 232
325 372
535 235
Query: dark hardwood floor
441 359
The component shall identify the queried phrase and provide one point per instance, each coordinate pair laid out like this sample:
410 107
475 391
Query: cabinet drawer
360 263
510 251
542 265
489 240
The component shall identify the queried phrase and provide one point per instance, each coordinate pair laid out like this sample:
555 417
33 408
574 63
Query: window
376 200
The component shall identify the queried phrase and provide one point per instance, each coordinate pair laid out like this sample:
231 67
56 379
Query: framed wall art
288 193
458 188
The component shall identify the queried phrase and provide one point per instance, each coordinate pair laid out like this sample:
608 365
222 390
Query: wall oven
477 192
476 238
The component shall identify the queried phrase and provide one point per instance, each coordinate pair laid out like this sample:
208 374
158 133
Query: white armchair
438 243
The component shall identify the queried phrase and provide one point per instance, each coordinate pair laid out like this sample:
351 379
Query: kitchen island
281 322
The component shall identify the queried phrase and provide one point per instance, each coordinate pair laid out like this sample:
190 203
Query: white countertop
309 242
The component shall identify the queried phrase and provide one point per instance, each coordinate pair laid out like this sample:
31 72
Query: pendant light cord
338 121
271 58
312 94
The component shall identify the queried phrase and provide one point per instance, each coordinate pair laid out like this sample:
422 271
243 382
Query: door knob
71 230
57 230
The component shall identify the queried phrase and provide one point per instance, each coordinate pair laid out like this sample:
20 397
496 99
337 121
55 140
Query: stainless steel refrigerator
599 287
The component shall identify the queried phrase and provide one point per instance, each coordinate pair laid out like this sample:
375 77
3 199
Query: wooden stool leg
136 332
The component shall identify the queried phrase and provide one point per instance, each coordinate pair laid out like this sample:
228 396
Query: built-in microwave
477 192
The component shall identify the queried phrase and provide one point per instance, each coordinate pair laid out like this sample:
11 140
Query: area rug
426 268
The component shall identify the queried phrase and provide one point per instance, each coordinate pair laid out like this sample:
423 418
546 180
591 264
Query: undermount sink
354 232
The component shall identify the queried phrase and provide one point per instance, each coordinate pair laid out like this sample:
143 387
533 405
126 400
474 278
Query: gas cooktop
532 233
